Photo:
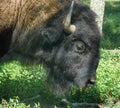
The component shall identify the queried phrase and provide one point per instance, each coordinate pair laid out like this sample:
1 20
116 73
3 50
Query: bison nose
90 82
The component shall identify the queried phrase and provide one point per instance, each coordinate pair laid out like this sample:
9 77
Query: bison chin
60 88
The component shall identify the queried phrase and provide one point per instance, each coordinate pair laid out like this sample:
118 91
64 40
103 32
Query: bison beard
62 35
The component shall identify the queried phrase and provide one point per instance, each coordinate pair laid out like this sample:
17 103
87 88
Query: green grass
17 79
25 82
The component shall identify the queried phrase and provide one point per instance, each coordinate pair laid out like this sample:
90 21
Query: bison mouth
63 86
80 81
84 82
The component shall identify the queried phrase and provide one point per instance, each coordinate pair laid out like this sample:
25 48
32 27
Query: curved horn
68 28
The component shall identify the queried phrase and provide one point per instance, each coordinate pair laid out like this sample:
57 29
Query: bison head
76 60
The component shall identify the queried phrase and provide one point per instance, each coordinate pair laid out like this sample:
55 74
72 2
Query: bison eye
79 47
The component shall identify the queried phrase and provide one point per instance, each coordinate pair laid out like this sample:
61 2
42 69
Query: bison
61 34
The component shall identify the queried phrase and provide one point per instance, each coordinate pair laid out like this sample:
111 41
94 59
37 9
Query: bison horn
68 27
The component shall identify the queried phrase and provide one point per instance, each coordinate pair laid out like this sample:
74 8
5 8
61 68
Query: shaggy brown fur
22 16
28 12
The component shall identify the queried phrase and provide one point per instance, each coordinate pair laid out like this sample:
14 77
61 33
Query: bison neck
40 55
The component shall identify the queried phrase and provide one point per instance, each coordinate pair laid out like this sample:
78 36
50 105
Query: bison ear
51 35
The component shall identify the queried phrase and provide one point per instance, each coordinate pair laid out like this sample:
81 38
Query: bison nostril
90 82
